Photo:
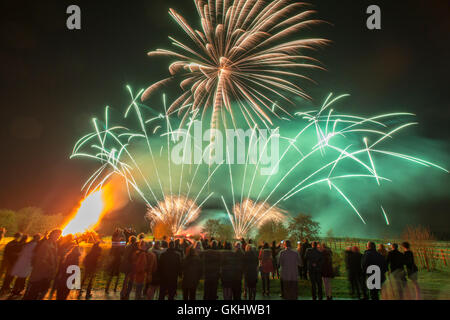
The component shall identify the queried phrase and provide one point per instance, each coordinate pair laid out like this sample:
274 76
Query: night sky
53 80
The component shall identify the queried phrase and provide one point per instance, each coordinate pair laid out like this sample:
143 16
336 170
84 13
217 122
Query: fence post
443 257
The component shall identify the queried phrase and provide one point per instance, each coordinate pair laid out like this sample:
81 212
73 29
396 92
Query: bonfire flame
89 213
175 212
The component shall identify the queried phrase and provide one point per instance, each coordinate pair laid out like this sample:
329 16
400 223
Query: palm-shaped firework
242 55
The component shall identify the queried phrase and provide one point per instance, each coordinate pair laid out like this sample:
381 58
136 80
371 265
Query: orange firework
174 212
247 52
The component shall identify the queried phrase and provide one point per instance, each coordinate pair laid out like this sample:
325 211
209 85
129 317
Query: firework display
175 212
243 59
243 56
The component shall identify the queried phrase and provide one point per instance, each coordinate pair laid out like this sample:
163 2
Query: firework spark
248 216
174 212
328 149
119 148
247 53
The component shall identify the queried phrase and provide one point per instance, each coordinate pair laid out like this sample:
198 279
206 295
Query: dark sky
54 80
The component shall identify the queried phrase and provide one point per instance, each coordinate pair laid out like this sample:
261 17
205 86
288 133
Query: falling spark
385 215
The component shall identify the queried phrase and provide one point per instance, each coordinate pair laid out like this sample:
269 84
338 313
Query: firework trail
117 148
325 143
246 53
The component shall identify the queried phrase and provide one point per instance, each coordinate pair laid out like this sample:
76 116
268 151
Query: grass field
434 284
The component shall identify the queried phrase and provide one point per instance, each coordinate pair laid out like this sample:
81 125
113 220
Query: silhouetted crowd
37 269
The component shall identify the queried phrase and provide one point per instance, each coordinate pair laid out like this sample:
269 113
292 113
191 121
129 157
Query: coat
126 265
289 262
395 260
354 264
22 267
45 261
91 260
327 266
11 253
409 263
152 265
314 259
192 272
170 267
140 266
231 268
372 257
266 261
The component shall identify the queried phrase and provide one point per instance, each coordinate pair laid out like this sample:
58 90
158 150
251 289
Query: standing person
90 268
155 280
314 259
192 272
275 251
65 244
72 258
251 263
115 257
140 268
289 262
10 255
411 268
347 259
238 271
372 258
199 248
356 275
22 268
327 270
44 267
266 267
170 269
227 267
211 263
127 268
18 249
304 247
395 265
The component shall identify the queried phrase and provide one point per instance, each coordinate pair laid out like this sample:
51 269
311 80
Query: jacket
289 262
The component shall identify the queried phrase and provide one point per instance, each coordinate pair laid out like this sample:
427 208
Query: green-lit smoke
350 189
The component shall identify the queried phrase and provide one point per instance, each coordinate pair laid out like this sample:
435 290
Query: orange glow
89 213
